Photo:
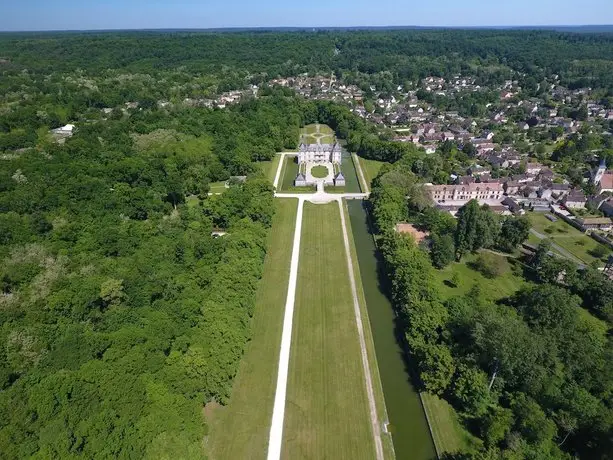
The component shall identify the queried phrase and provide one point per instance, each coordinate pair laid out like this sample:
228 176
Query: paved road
278 413
558 248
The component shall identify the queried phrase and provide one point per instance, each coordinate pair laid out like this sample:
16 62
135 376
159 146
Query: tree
477 228
513 232
442 250
436 368
497 425
470 390
491 265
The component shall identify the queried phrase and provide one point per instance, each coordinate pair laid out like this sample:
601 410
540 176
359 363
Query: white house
319 153
65 130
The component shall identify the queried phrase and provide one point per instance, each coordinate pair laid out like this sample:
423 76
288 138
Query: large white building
319 153
462 194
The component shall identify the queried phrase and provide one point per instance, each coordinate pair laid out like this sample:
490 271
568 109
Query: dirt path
278 412
358 166
358 319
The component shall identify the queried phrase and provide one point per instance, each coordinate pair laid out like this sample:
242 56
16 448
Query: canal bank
408 425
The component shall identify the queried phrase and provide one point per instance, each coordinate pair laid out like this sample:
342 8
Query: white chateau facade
319 153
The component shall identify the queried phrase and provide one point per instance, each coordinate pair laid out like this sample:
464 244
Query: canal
408 425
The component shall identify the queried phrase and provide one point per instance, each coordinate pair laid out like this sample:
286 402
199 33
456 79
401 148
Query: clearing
370 168
241 429
566 236
327 412
269 168
491 289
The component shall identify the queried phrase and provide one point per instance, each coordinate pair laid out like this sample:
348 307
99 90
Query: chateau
319 153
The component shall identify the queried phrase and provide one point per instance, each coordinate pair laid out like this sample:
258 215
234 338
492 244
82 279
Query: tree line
528 375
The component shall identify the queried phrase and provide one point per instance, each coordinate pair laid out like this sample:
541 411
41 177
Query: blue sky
138 14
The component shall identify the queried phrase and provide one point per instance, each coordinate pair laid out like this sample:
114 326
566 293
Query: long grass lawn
491 289
269 168
448 433
217 187
565 235
370 168
326 413
289 170
352 183
240 430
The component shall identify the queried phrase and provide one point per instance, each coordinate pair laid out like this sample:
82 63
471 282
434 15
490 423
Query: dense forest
530 374
121 316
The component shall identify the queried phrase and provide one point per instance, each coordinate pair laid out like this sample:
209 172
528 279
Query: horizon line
315 28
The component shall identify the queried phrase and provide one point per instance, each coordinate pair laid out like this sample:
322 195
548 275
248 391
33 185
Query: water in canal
410 433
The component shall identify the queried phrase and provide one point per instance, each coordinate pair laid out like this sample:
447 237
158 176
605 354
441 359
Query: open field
491 289
448 433
326 413
269 168
566 236
370 168
388 447
310 135
352 184
240 430
289 170
217 187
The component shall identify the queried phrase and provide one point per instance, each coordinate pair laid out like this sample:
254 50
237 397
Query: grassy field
491 289
269 168
370 168
289 170
327 408
240 430
217 187
352 184
309 135
388 447
565 235
448 433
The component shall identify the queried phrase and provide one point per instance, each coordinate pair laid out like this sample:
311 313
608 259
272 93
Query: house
596 223
319 153
300 180
607 207
511 204
606 183
533 168
575 200
464 193
339 180
478 170
559 190
66 130
512 187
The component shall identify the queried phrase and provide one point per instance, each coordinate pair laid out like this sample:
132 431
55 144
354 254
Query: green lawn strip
491 289
240 430
352 184
388 446
269 168
326 413
448 433
217 187
566 236
370 168
289 170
